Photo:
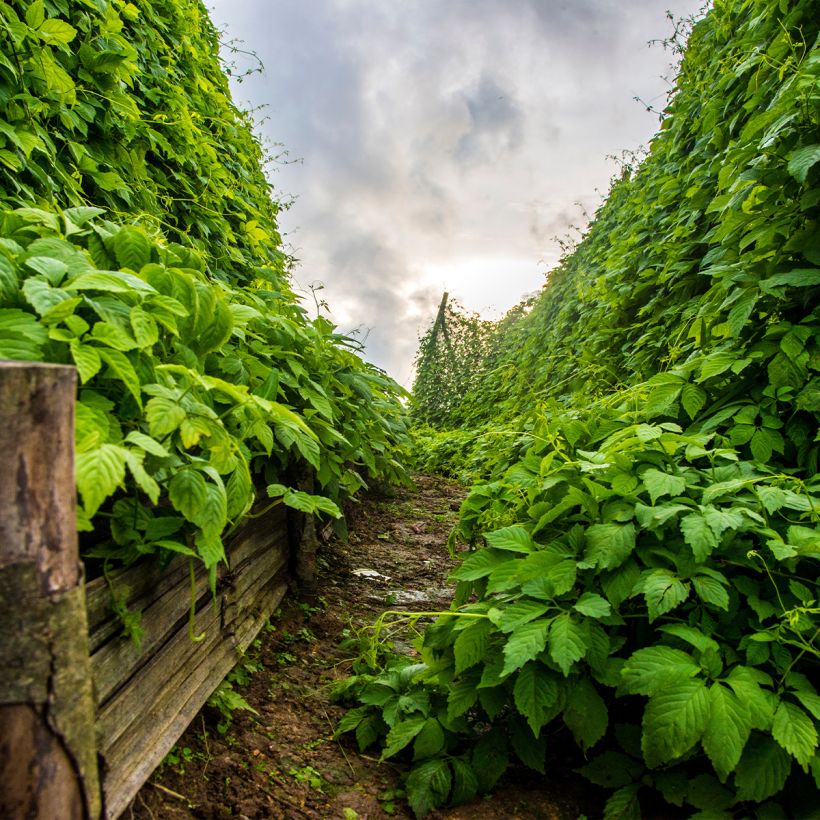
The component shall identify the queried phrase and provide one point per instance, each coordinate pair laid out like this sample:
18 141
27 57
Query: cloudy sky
442 144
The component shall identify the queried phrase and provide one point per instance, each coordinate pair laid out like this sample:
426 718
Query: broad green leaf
536 695
651 669
429 741
461 696
131 247
674 720
57 31
585 713
210 548
711 591
593 605
428 785
512 539
402 734
693 399
212 515
567 640
531 750
22 337
119 366
100 471
763 769
490 758
150 445
146 482
188 492
699 535
164 416
520 612
611 770
794 730
524 644
145 329
480 563
727 729
465 782
609 545
624 805
803 160
471 644
663 592
87 360
659 483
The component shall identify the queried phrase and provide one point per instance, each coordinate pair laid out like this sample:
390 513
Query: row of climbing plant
138 242
637 569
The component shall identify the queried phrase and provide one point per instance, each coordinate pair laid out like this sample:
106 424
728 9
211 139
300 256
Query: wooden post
48 758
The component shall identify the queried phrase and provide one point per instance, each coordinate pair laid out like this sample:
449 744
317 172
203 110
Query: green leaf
609 545
593 605
651 669
471 645
21 336
490 758
727 730
465 782
147 443
428 785
145 329
612 770
531 750
429 741
212 516
699 535
520 612
100 471
188 492
87 360
121 368
663 592
536 695
57 31
763 769
402 734
585 714
794 730
143 479
624 805
461 696
525 642
567 639
35 14
131 247
479 564
674 720
711 591
659 483
164 416
210 547
512 539
802 161
693 399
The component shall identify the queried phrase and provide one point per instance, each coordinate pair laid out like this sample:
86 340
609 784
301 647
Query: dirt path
283 762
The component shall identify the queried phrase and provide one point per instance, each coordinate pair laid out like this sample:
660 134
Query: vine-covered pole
48 758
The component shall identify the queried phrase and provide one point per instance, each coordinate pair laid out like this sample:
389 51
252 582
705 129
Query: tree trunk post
48 756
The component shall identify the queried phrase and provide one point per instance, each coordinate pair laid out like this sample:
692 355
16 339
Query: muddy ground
283 762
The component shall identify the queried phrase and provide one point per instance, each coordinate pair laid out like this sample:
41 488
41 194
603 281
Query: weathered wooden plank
172 673
135 754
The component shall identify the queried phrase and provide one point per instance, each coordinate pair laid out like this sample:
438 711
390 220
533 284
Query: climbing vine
638 555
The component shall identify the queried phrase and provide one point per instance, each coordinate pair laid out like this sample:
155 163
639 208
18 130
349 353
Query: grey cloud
428 130
496 124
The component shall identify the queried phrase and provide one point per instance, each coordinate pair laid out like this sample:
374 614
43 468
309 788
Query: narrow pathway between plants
282 760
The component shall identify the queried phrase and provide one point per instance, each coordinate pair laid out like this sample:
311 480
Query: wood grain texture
147 698
48 762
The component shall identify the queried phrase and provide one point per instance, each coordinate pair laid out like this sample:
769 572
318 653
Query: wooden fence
85 717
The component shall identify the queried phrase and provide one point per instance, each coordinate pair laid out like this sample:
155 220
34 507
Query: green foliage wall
126 106
641 573
138 241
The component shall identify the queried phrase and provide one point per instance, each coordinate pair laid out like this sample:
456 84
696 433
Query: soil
281 760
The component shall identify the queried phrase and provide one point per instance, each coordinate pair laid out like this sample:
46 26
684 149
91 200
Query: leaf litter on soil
281 761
